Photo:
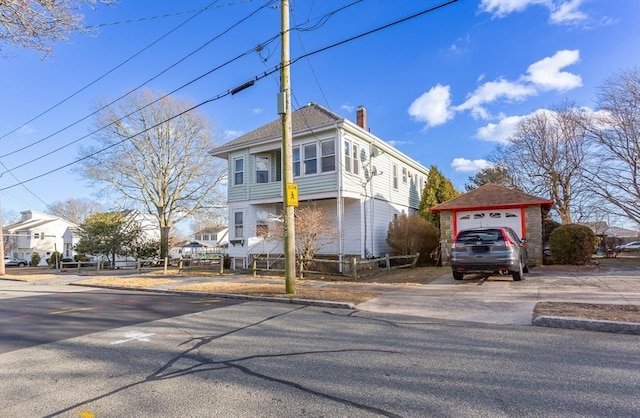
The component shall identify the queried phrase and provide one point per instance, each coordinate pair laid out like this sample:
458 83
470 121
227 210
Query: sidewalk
496 300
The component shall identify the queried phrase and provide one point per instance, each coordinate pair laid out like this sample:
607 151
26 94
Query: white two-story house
338 165
37 233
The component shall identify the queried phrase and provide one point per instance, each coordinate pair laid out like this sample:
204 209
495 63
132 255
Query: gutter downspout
339 202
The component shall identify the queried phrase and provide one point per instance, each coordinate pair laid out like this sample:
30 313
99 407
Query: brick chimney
361 117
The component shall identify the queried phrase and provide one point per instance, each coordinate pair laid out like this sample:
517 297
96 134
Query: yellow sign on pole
292 195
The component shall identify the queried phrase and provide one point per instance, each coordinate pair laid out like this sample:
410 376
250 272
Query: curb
294 301
588 324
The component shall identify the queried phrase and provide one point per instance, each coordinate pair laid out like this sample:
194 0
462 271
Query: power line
109 72
258 48
184 12
257 78
137 87
22 184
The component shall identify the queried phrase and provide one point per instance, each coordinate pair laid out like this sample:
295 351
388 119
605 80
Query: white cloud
257 111
490 92
546 72
499 132
27 130
347 107
561 12
432 107
567 13
463 165
502 8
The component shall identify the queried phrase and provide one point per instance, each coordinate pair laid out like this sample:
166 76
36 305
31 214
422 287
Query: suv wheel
517 275
457 275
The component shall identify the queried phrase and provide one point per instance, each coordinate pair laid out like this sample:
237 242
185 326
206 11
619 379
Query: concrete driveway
499 300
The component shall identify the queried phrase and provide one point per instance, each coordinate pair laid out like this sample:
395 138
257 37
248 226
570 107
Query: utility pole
284 107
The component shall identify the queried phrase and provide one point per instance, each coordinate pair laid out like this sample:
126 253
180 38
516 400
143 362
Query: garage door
488 218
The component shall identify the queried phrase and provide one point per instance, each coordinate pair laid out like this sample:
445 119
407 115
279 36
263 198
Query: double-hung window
310 158
296 161
395 176
328 153
356 161
347 156
238 224
404 175
262 169
238 171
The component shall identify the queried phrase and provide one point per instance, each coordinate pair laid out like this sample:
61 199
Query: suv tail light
507 240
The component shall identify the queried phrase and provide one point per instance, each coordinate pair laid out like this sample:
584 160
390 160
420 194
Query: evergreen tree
438 189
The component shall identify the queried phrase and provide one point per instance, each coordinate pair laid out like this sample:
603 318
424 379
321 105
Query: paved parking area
499 300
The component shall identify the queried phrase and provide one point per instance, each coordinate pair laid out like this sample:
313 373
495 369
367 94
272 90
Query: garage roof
492 196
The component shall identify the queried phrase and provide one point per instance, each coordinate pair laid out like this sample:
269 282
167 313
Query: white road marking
134 336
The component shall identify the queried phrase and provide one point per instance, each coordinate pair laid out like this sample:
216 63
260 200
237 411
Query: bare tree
315 230
35 24
547 155
496 174
615 131
155 157
75 210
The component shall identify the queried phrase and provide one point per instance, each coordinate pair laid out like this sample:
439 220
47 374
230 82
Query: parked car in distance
496 250
629 246
12 261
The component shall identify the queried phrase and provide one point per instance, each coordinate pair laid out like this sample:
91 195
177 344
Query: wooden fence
354 268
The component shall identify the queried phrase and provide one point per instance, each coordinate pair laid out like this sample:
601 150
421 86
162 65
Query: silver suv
489 251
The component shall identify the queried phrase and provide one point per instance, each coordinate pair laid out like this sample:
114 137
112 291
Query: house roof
308 117
491 196
211 230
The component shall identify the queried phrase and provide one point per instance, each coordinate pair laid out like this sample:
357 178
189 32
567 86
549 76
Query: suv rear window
487 236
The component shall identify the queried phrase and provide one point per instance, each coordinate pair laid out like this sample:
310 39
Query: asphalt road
262 359
40 318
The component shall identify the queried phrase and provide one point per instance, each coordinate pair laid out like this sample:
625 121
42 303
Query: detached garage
491 205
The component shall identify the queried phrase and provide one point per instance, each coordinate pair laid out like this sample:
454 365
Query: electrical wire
140 85
257 78
110 71
259 48
22 184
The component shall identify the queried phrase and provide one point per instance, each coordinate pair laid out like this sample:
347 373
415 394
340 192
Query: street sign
292 195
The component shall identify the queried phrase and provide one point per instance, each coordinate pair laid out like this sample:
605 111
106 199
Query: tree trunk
164 241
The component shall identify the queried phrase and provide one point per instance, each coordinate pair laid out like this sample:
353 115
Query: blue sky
444 87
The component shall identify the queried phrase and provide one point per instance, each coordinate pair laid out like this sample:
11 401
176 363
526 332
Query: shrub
35 259
408 235
55 256
572 244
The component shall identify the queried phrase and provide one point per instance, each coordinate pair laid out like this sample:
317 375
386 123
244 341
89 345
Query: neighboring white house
147 223
338 165
214 240
37 233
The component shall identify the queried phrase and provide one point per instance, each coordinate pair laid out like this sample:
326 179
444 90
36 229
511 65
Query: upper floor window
404 175
238 224
238 171
296 161
262 169
328 149
310 159
395 176
356 161
351 162
347 156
